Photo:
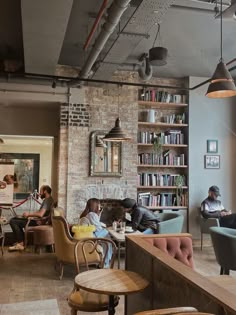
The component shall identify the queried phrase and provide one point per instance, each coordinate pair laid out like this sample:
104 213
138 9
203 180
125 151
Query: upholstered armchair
170 222
206 224
224 244
65 246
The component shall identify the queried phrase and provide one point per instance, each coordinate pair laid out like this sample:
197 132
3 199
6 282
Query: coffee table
110 282
120 238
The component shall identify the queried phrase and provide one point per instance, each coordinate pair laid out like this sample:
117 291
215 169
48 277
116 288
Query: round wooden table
110 282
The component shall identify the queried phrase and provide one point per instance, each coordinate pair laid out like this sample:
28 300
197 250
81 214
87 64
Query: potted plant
179 183
180 118
157 145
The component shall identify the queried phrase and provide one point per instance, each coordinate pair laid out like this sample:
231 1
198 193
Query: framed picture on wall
26 173
212 161
212 146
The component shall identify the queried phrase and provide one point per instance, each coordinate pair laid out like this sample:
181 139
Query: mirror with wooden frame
105 157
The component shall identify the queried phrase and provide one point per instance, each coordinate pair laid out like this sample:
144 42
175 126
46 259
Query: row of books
166 158
157 95
168 137
173 119
158 179
161 200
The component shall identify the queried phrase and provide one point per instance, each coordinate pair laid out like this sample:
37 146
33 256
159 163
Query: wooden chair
171 311
81 300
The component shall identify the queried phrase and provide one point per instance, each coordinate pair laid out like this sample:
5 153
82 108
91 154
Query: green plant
157 145
180 117
179 183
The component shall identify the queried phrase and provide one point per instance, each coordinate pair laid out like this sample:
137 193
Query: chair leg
61 270
2 247
227 272
221 270
73 311
201 239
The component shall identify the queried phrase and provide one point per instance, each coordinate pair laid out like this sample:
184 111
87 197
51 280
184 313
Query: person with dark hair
142 219
92 213
211 207
17 224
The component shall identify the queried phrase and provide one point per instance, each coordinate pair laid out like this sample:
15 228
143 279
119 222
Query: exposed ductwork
145 71
114 14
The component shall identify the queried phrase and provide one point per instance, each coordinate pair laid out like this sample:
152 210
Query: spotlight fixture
222 84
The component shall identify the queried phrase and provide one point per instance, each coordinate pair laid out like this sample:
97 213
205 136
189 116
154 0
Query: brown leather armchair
65 246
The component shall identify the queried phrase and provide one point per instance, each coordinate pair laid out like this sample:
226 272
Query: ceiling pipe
95 25
115 12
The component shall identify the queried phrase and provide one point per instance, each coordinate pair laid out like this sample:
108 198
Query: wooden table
120 238
224 281
110 282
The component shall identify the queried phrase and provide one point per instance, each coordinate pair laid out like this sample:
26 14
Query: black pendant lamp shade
222 84
158 56
116 134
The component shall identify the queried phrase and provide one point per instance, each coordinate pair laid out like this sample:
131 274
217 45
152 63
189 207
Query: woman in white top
92 213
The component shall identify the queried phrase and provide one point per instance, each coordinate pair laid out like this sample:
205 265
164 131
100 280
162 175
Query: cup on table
114 226
122 226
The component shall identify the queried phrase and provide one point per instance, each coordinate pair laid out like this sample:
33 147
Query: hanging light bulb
222 84
116 134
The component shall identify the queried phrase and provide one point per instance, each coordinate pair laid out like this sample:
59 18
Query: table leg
119 255
111 307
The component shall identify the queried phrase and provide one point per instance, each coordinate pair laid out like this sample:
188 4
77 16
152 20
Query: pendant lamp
158 55
222 84
116 134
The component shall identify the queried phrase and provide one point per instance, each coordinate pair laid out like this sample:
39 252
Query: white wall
210 119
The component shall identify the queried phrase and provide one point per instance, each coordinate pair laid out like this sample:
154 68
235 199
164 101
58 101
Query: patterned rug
41 307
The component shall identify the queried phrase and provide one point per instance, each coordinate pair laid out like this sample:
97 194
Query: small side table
110 282
120 238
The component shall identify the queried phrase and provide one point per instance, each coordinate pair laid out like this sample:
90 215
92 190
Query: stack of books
157 179
155 95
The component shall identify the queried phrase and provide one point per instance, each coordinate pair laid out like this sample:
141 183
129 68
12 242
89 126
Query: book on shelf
168 137
158 95
158 179
165 158
161 200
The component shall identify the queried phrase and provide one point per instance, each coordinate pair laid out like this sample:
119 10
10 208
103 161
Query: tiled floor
29 277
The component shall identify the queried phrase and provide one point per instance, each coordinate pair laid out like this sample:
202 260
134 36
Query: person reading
18 224
211 207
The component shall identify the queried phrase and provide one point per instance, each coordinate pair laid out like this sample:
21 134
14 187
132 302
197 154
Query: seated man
18 224
142 219
211 207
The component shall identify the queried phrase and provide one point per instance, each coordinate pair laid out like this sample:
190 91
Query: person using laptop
18 223
212 207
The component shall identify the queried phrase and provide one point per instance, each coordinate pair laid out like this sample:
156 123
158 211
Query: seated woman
92 213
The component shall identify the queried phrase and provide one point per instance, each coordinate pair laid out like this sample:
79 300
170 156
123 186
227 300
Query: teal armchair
224 243
170 223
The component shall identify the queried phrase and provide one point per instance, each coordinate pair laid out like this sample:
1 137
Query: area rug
40 307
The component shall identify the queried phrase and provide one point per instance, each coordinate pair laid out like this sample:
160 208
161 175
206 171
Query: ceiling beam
44 25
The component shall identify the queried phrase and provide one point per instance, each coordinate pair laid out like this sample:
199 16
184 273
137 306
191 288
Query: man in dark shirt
18 224
142 219
211 207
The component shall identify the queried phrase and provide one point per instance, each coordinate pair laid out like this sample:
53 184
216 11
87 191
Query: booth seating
173 281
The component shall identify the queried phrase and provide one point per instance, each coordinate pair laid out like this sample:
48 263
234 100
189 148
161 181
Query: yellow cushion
84 300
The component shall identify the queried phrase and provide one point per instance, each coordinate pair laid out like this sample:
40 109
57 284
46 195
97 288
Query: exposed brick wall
96 108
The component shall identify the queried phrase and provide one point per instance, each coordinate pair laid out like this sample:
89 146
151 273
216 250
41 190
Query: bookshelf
163 171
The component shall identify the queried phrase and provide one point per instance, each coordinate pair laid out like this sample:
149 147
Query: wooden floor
29 277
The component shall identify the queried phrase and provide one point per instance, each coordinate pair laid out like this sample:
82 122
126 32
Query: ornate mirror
105 157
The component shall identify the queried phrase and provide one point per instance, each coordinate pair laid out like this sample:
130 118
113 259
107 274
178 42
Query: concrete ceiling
47 33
